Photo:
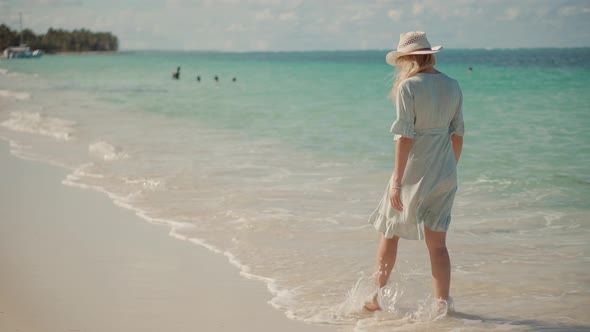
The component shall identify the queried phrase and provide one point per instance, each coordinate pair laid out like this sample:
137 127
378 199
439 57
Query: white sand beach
73 261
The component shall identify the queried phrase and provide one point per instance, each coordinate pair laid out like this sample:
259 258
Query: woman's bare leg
440 263
386 255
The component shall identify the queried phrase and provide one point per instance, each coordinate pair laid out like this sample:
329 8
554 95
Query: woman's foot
373 305
444 306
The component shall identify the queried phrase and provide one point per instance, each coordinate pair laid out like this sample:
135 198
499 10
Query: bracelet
397 186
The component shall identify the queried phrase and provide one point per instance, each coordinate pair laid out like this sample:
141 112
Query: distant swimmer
470 69
234 79
198 78
216 78
176 74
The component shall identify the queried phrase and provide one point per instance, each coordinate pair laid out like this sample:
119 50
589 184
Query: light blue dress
429 110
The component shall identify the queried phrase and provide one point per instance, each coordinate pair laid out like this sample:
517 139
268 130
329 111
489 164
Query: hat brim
392 56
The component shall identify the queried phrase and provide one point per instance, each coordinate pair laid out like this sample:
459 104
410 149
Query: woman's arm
402 151
457 142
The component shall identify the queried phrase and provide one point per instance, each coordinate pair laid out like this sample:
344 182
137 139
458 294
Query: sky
300 25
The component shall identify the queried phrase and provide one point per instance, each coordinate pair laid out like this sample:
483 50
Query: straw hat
413 42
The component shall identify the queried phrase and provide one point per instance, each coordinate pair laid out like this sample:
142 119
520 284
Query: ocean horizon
123 50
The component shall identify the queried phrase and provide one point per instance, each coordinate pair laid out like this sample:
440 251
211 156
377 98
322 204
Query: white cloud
174 3
511 13
235 27
266 2
362 15
569 10
364 44
468 12
418 8
261 45
51 2
288 16
394 14
264 15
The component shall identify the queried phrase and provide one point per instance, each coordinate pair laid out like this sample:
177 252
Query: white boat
23 51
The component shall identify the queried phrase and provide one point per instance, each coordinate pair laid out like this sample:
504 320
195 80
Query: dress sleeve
457 127
404 107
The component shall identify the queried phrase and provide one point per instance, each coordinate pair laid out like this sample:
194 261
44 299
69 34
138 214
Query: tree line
59 40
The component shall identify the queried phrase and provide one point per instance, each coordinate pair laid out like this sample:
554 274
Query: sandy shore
73 261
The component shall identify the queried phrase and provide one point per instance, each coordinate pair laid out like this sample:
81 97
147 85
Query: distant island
59 40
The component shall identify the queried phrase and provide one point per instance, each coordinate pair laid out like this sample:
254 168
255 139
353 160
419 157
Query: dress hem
380 223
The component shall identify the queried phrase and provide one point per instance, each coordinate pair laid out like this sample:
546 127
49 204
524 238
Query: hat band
418 49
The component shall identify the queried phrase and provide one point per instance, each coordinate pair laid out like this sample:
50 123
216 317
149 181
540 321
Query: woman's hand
395 198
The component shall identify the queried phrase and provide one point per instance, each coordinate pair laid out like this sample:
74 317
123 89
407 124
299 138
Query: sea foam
106 151
35 123
14 94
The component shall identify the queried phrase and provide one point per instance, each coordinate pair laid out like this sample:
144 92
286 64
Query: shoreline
73 258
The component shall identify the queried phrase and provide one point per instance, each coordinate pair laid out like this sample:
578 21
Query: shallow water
280 170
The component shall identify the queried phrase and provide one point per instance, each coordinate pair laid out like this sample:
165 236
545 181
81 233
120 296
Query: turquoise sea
280 170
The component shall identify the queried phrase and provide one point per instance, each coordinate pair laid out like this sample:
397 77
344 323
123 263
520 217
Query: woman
429 138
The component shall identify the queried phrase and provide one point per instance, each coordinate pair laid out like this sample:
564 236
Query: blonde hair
410 65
